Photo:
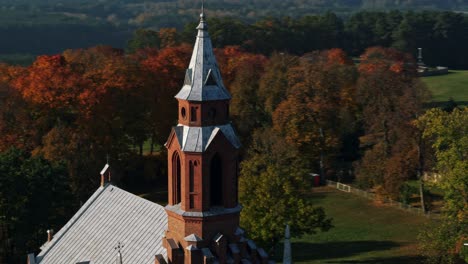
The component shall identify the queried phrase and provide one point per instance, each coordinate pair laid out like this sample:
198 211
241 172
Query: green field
363 233
453 85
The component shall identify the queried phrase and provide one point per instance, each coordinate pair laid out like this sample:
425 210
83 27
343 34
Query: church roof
198 139
110 216
203 80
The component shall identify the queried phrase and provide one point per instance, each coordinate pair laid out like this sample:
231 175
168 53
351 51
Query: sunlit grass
363 233
453 85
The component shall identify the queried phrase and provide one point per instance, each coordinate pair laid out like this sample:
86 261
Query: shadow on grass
303 251
383 260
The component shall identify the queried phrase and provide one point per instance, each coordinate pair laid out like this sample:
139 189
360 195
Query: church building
200 224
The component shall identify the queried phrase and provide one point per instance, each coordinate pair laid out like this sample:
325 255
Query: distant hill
31 27
158 13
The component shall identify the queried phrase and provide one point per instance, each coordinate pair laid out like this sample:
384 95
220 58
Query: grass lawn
454 84
363 233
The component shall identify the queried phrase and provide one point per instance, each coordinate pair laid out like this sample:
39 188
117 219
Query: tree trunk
322 145
152 144
421 194
386 138
420 173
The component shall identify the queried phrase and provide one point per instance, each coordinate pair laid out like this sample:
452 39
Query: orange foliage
386 59
52 82
169 64
232 58
338 56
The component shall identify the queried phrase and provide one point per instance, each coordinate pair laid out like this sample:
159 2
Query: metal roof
198 139
110 216
203 80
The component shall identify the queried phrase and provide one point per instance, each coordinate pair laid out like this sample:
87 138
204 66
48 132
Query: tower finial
202 14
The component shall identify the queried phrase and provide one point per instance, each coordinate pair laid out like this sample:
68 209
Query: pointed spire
203 80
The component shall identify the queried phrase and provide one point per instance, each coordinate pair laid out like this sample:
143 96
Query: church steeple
203 211
203 153
203 80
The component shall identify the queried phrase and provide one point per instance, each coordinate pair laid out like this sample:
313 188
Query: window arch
216 181
176 179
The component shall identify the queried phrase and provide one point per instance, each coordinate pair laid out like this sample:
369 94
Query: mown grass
453 85
364 233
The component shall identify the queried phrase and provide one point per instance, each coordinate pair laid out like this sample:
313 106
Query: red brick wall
204 113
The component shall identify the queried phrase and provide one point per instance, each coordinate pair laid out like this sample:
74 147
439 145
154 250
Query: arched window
216 181
176 197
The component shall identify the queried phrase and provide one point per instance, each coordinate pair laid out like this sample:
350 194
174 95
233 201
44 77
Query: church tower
203 210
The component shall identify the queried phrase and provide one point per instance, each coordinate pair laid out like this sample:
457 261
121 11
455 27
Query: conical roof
203 80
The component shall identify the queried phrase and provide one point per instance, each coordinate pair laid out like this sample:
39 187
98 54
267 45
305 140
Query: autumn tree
166 71
17 117
241 72
310 117
390 97
274 83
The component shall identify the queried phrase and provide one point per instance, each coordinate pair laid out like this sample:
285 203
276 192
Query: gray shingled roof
203 80
198 139
110 216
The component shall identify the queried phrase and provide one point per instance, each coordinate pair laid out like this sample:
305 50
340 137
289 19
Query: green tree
448 134
34 197
143 38
272 187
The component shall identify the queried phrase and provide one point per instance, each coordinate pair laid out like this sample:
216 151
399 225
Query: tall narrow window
176 196
191 176
216 181
193 114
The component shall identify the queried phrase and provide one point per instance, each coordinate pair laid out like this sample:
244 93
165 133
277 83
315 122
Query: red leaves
233 58
169 64
337 56
386 59
51 81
